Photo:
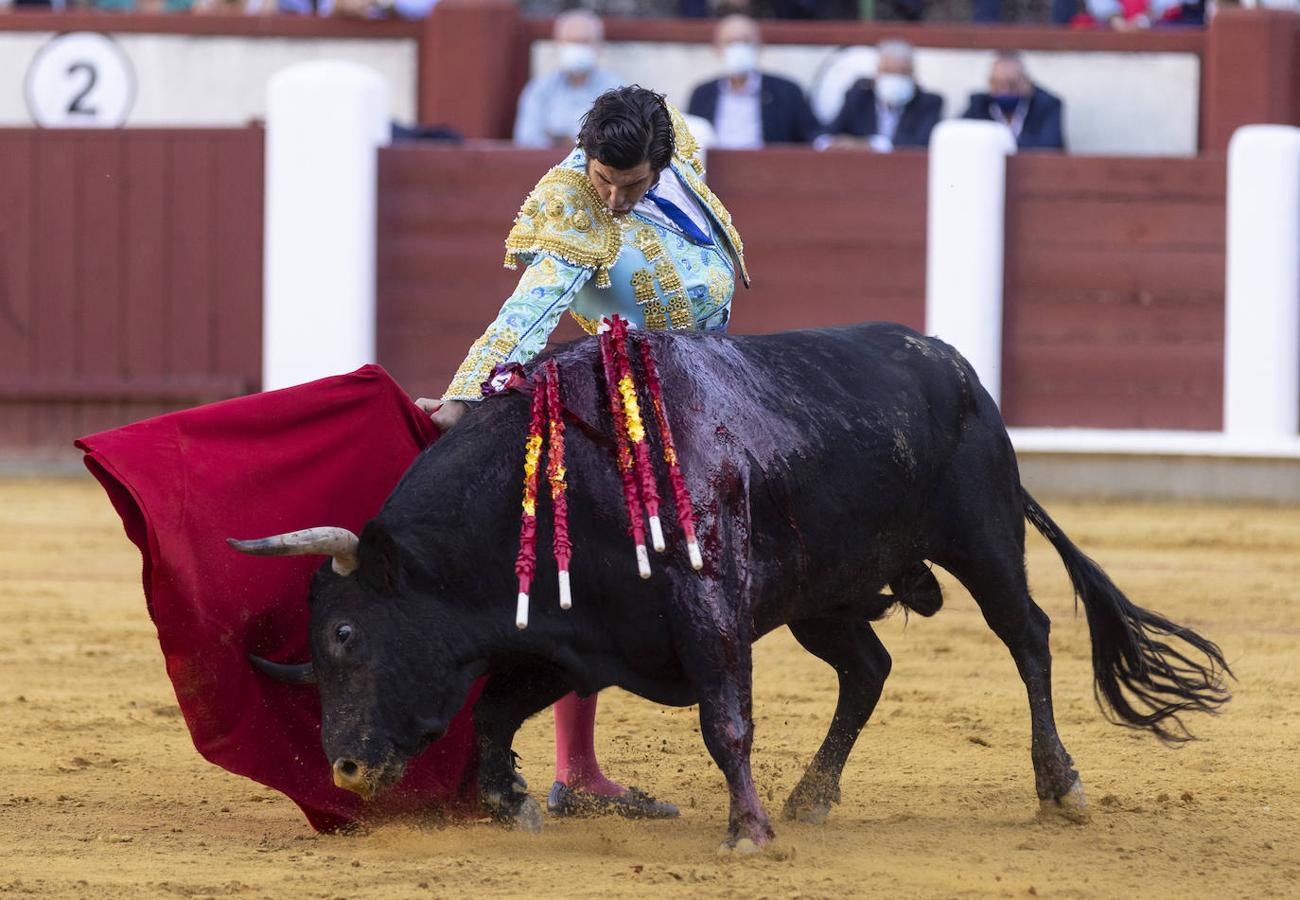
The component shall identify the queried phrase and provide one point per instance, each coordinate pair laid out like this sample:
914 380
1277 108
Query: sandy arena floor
106 796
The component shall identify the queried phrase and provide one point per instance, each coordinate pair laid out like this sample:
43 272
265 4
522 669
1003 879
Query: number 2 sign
80 80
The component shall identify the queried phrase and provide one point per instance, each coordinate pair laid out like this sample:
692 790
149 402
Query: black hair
626 127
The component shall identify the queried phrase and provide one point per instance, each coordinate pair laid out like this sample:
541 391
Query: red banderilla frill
645 474
681 493
526 561
555 474
631 492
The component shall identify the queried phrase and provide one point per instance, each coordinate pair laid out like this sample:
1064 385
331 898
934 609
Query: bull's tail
1143 674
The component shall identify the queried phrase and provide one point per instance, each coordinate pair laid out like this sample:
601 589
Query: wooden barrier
1114 280
130 270
130 276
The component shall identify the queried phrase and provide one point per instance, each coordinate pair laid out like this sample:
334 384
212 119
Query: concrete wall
213 80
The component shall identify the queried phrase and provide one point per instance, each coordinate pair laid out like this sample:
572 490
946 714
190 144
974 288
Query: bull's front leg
727 725
508 700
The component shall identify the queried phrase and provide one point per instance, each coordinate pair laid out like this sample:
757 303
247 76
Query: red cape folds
324 453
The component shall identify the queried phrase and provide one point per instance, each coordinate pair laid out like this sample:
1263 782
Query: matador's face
621 189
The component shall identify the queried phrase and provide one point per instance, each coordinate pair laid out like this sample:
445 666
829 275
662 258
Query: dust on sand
105 795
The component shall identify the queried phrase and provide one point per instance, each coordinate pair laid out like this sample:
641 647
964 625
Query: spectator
1134 15
1033 115
890 111
551 106
746 107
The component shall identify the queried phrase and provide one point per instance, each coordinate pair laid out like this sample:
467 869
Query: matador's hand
444 413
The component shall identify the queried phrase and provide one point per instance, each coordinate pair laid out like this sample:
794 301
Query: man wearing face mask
1033 115
749 108
890 111
551 106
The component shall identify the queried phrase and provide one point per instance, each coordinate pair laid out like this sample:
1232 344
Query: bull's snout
351 776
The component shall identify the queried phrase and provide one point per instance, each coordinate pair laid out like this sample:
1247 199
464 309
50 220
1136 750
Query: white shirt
739 117
887 119
670 187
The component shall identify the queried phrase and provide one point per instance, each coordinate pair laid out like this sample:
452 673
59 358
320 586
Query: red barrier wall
1114 292
130 276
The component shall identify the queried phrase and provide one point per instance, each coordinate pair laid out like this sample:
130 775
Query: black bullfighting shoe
635 804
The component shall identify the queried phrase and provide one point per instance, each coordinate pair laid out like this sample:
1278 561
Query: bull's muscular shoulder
564 216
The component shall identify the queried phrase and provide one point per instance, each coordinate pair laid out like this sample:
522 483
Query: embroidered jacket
581 258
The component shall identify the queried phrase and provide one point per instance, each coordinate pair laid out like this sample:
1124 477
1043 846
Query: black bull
824 465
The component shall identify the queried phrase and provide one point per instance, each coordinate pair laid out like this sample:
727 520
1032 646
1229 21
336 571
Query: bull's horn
339 543
289 673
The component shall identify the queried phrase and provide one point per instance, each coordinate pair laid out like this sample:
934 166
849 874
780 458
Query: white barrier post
324 122
964 242
1261 354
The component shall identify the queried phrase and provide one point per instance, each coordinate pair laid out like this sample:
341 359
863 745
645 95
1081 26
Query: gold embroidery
684 144
591 326
493 348
647 241
643 286
669 281
720 213
656 318
721 286
540 274
679 312
559 192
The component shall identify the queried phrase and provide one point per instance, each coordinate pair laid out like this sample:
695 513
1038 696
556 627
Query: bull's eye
342 633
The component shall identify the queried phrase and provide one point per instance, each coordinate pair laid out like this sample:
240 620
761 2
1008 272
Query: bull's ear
381 559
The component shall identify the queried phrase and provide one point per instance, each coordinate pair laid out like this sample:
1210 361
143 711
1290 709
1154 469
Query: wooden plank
17 294
1088 223
147 230
192 253
237 230
1134 178
57 314
98 263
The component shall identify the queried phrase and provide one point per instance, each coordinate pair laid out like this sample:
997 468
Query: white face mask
577 59
895 90
740 58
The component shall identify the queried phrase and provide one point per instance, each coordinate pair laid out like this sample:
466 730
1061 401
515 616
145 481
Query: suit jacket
787 117
1042 129
919 116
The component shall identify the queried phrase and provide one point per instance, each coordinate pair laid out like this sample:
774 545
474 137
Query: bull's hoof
810 802
515 810
1072 806
742 847
528 817
810 812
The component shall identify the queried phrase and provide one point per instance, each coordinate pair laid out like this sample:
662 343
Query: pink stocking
575 747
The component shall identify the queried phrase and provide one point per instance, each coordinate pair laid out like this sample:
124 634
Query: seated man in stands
890 111
1033 115
552 106
749 108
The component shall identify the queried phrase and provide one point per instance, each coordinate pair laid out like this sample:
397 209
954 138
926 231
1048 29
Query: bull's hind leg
862 663
997 582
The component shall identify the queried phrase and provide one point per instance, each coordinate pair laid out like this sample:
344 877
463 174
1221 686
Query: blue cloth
680 219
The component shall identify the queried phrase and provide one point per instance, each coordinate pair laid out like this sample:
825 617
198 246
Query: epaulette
685 147
565 216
